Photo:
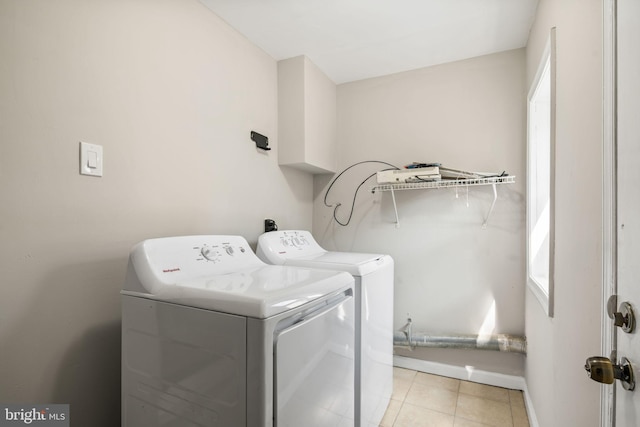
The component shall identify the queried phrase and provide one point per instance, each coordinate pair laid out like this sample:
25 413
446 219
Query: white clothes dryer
212 336
373 275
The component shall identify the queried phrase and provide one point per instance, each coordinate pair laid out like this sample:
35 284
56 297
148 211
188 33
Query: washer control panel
276 246
293 239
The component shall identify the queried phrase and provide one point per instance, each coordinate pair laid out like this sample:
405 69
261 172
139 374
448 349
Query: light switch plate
90 159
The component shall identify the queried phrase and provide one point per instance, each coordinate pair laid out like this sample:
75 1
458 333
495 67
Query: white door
627 403
314 367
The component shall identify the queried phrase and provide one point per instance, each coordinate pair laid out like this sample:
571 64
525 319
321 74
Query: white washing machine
212 336
374 311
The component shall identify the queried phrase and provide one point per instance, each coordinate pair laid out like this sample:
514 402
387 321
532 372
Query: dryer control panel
216 252
172 260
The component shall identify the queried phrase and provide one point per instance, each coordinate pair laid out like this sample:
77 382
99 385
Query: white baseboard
467 374
533 420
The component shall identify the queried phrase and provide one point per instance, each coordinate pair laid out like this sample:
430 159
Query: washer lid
299 248
357 264
221 273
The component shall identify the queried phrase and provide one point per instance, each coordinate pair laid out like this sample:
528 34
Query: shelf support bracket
495 197
395 207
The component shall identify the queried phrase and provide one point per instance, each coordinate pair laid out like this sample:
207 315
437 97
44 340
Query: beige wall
452 276
171 93
562 394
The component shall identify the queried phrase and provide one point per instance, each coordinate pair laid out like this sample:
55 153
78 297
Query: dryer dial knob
209 253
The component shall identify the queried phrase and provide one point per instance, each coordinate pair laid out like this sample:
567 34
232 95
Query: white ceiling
356 39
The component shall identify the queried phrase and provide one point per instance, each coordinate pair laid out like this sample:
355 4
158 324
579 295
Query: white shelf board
446 183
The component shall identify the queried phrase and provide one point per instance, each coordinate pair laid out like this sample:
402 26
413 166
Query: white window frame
542 288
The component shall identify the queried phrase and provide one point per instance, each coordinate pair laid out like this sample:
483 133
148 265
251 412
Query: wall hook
262 142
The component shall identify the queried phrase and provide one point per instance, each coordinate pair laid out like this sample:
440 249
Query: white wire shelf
446 183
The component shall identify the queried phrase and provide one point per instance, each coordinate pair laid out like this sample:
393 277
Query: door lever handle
604 370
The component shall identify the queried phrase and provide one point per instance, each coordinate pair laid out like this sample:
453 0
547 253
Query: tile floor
421 400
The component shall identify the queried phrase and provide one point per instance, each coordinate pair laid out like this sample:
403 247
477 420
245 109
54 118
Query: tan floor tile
485 391
400 389
432 397
516 398
420 399
416 416
520 418
481 410
444 382
391 413
461 422
403 374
